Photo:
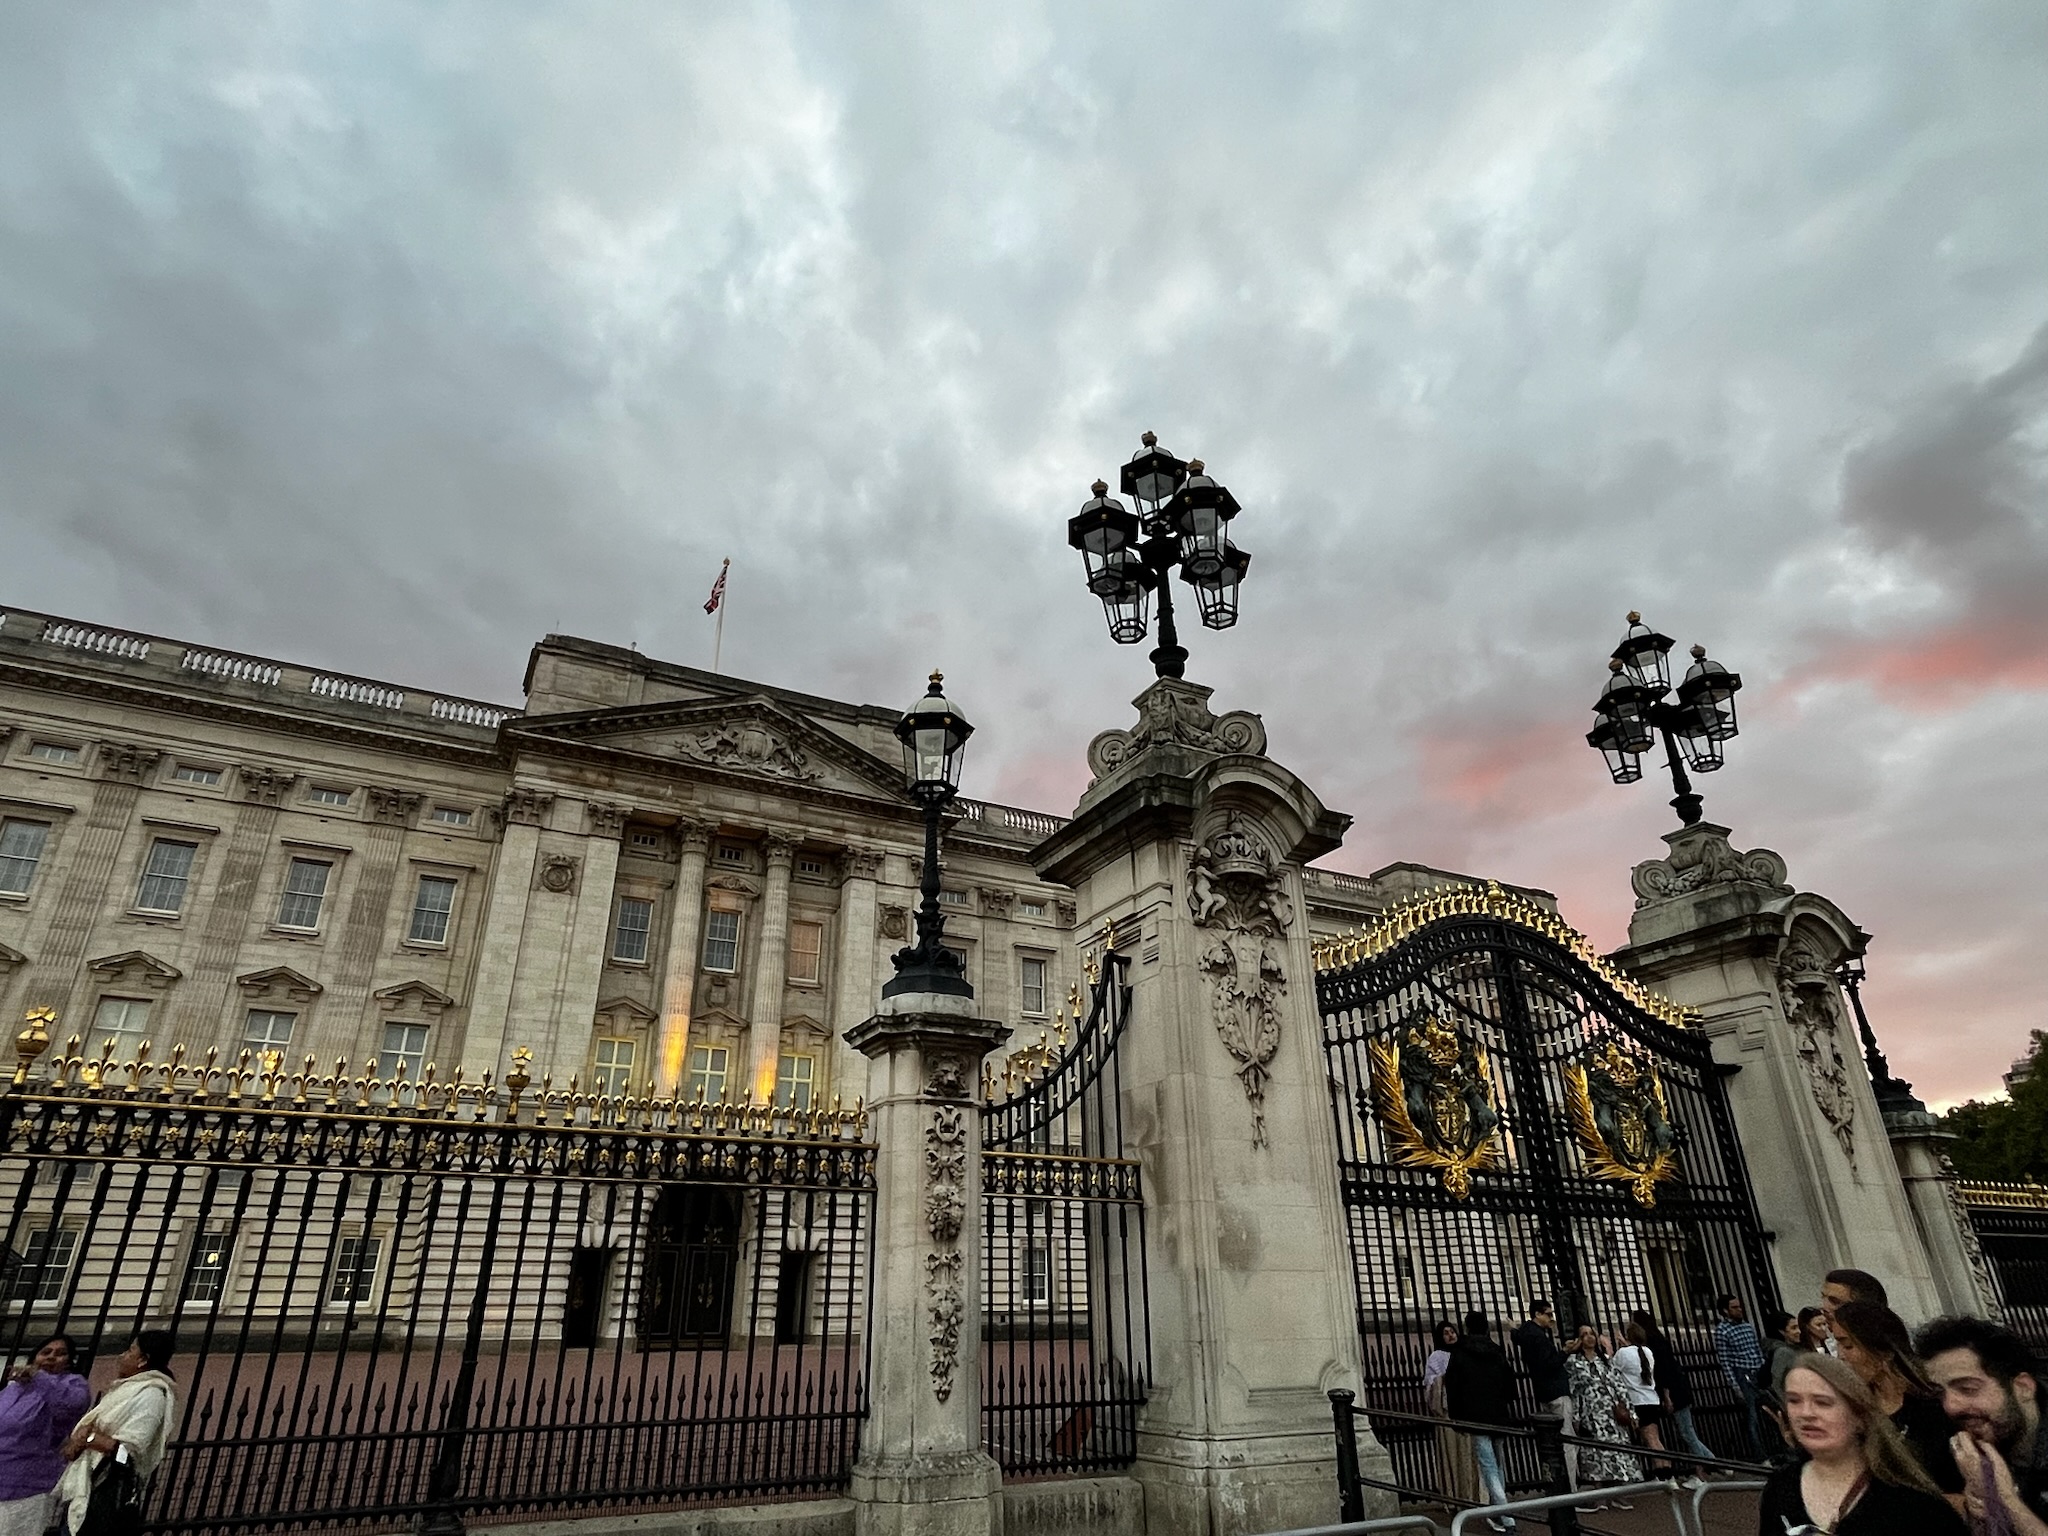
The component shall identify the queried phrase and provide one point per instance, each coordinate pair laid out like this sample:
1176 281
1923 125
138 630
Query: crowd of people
71 1465
1870 1428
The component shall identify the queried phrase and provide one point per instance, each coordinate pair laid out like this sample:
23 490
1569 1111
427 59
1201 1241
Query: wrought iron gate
1067 1348
1516 1119
2011 1225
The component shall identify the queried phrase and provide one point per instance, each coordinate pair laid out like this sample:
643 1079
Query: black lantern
1216 598
1185 521
933 734
1635 708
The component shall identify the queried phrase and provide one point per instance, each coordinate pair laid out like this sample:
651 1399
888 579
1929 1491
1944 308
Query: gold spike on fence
264 1079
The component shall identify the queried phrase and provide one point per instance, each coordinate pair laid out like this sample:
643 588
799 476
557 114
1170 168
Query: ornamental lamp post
1184 520
933 734
1637 706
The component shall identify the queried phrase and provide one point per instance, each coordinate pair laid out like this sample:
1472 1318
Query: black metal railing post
444 1482
1557 1476
1350 1491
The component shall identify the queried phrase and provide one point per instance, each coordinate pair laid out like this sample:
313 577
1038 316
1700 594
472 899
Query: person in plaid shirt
1741 1354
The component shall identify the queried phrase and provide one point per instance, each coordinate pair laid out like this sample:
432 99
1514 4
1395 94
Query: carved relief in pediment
747 746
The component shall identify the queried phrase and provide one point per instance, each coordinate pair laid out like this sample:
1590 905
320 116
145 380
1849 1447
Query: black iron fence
2011 1225
1066 1355
398 1302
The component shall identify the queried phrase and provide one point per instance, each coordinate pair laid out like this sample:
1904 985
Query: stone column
586 944
503 930
1723 931
679 960
922 1471
1962 1275
771 967
1190 841
854 984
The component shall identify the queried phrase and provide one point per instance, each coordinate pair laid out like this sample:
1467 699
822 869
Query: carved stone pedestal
922 1471
1189 845
1724 932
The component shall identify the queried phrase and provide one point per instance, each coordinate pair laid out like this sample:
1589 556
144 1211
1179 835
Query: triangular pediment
753 737
11 959
626 1008
279 981
415 997
137 967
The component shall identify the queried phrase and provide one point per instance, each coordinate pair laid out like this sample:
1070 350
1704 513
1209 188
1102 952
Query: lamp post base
1688 806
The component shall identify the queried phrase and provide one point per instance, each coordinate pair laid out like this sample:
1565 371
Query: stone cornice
131 695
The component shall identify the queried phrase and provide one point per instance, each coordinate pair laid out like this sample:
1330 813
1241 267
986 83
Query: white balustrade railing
233 669
101 642
1036 822
467 712
352 690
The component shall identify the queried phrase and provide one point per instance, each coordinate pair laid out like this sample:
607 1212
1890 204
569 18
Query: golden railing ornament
33 1040
1621 1120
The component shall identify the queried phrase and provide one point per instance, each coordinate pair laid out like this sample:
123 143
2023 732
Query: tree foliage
2006 1139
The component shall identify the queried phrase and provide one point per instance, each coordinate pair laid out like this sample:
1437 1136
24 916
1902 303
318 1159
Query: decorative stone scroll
945 1159
1813 1012
1235 891
1703 856
1176 713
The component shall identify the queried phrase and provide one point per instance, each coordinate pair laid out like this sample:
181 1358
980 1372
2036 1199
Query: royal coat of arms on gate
1432 1093
1621 1120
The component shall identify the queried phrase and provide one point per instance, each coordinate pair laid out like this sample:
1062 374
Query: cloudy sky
392 337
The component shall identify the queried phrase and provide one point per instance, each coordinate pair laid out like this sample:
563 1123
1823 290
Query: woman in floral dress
1595 1396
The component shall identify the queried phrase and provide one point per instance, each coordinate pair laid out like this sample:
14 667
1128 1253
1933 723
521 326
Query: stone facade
646 866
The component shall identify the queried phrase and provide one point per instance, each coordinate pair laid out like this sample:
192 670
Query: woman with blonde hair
1858 1479
1872 1341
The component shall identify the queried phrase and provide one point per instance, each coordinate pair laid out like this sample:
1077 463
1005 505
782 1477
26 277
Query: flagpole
718 638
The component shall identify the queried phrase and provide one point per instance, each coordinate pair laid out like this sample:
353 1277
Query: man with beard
1990 1389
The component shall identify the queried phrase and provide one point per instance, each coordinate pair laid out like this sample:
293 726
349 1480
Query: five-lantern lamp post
933 733
1637 706
1183 519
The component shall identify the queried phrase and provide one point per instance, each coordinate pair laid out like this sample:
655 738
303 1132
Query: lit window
793 1078
320 796
629 934
165 876
1031 983
731 853
266 1030
355 1270
449 816
21 850
52 752
722 941
1031 909
953 898
431 906
405 1045
613 1078
45 1266
1038 1271
305 888
707 1074
188 773
206 1273
123 1020
806 946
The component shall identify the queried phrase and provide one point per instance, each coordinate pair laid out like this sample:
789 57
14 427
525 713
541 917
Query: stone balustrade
173 660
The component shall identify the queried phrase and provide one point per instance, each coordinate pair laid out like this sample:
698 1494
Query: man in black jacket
1536 1341
1480 1387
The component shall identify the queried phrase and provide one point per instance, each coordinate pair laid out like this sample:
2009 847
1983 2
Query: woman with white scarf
135 1412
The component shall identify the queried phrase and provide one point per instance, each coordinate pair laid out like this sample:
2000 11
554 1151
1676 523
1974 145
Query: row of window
796 1076
45 1269
166 883
211 778
806 949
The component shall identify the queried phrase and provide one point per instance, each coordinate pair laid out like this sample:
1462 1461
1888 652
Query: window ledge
625 964
429 945
284 932
154 914
14 898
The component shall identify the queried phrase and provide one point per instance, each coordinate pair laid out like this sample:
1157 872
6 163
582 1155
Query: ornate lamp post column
922 1471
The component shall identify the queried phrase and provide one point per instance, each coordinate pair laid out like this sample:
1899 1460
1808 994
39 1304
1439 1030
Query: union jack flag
717 589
